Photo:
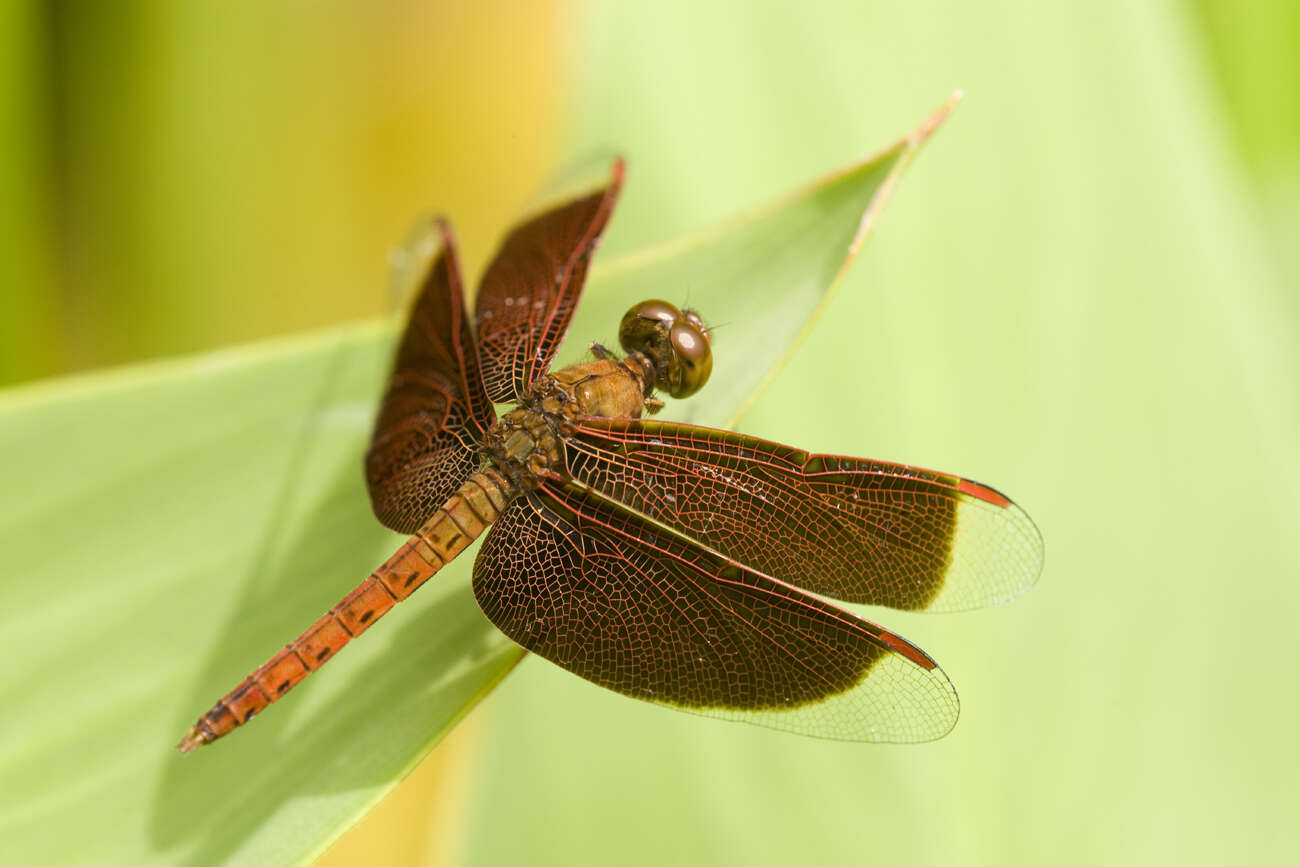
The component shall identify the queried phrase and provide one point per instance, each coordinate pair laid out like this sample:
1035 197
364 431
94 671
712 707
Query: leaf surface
168 527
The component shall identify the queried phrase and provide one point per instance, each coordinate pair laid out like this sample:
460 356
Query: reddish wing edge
853 529
435 410
531 288
984 492
635 608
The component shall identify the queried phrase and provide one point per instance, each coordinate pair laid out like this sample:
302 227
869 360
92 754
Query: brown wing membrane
853 529
435 410
612 598
530 290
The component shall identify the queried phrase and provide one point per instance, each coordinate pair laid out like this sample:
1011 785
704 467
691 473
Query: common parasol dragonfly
673 563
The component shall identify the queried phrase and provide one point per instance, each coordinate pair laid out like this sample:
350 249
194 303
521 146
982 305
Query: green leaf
168 527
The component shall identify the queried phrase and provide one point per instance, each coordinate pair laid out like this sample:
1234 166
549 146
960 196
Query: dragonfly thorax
526 443
667 348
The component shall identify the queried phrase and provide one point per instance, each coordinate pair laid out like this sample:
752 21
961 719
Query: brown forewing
624 604
530 290
435 409
849 528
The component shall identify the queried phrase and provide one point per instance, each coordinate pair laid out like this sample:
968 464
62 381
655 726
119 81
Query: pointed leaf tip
927 127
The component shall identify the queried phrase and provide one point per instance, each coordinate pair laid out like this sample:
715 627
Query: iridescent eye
692 358
646 324
675 341
694 318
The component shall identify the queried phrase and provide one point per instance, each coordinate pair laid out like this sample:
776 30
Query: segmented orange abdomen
459 521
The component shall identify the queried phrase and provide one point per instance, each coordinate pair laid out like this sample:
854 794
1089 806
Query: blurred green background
1085 293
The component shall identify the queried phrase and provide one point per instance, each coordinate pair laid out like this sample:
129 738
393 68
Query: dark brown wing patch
633 608
530 290
435 410
849 528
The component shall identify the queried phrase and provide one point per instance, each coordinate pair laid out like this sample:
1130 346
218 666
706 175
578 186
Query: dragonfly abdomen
451 529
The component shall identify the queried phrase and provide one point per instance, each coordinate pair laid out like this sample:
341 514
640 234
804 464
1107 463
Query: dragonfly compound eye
645 327
691 361
693 317
675 340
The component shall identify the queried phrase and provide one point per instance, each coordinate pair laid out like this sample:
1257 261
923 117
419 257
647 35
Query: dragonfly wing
848 528
530 290
435 410
624 604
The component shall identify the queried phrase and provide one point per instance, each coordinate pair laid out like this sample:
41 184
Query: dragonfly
682 565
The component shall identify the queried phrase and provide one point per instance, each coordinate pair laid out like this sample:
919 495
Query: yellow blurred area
422 822
184 177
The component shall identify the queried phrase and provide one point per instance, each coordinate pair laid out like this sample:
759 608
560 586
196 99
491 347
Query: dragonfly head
675 340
